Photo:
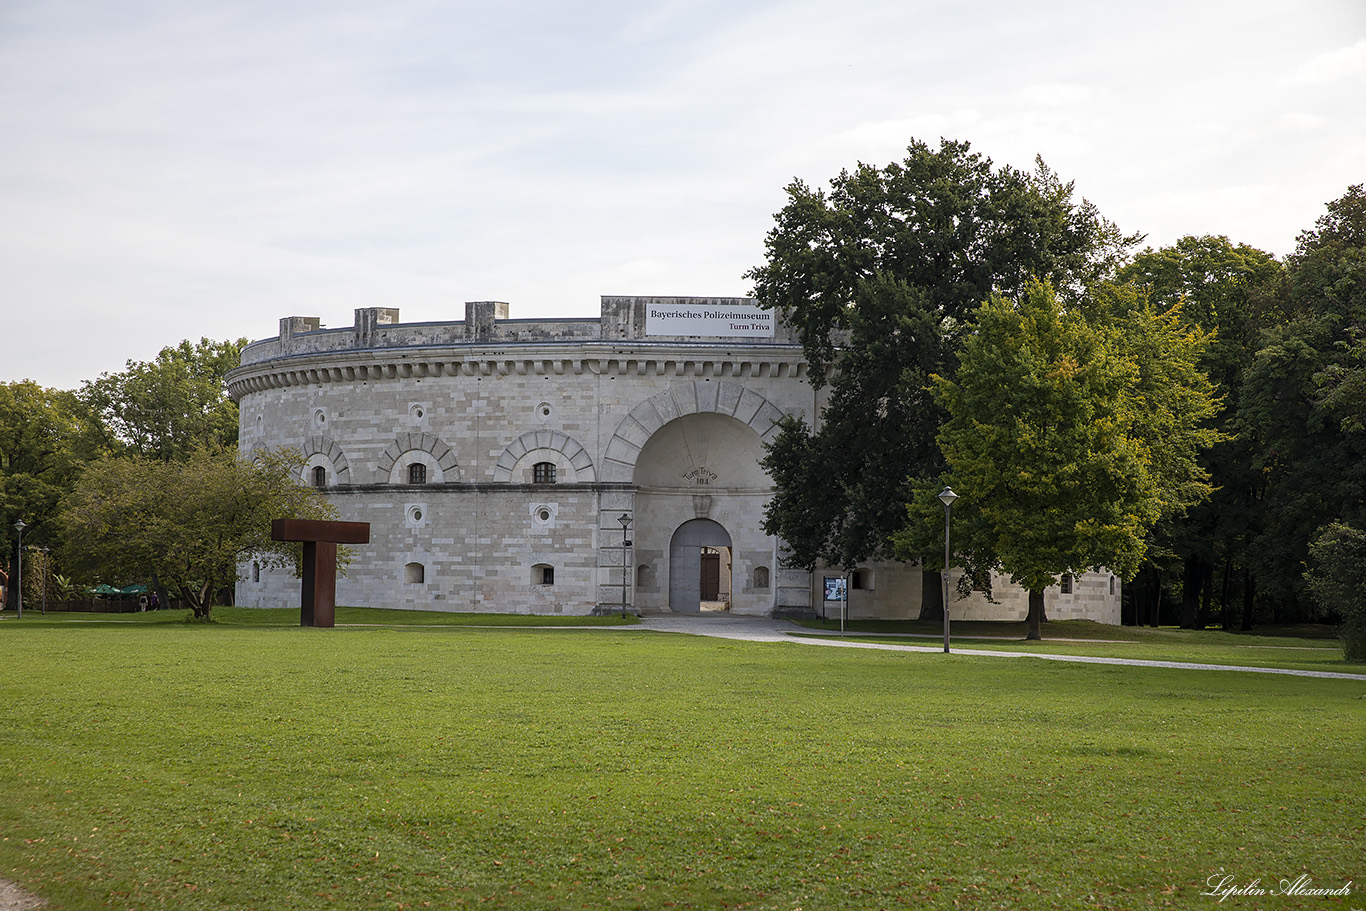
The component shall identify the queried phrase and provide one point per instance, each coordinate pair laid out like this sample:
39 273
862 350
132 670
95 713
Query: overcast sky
174 169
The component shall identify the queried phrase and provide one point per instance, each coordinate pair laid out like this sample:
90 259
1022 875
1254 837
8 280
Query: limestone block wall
478 550
665 431
1094 596
884 591
367 404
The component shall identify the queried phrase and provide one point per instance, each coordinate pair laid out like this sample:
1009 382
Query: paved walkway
765 629
12 898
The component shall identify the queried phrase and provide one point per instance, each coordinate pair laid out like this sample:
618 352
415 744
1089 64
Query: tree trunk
1035 613
1191 577
1248 594
1225 613
1206 595
201 602
158 589
931 595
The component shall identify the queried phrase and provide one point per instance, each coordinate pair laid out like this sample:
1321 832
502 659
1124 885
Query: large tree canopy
1234 292
942 221
837 490
44 435
166 408
1067 439
185 524
878 275
1297 400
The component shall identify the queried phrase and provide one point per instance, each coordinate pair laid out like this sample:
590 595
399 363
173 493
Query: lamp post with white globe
19 569
946 496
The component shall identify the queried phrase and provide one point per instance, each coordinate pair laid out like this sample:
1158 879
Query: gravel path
764 629
12 898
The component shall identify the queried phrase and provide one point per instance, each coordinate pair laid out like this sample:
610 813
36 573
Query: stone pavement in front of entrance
766 629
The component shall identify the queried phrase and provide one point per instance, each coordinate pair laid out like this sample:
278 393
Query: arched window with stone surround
761 577
417 473
414 573
319 476
542 574
543 473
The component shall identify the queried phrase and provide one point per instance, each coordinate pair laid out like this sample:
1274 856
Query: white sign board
718 321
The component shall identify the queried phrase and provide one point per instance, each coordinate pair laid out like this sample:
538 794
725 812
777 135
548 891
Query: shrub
1337 577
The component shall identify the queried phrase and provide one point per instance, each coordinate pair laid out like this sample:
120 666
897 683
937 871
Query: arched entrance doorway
699 567
702 466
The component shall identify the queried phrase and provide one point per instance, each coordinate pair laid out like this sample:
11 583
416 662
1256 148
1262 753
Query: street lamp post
19 569
625 521
946 496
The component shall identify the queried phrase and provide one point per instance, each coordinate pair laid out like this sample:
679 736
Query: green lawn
152 764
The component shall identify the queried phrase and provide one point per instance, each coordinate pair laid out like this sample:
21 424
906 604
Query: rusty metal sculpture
318 606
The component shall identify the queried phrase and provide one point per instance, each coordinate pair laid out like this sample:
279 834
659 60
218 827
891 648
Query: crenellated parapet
624 341
466 361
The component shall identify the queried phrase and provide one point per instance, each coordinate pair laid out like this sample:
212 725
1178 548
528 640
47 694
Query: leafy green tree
1328 268
1314 469
1329 276
1067 441
1342 384
166 408
1234 292
1338 579
877 275
836 497
185 524
1296 403
44 435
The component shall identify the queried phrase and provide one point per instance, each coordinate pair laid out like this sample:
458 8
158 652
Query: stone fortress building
564 465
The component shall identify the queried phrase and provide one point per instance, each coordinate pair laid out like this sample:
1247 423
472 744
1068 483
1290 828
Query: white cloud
1345 64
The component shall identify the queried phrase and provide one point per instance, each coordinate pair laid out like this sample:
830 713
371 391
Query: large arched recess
699 503
701 454
699 397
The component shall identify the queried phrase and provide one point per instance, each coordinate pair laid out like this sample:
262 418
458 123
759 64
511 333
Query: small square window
417 473
543 473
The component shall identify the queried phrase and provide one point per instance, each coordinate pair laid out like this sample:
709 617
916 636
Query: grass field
255 765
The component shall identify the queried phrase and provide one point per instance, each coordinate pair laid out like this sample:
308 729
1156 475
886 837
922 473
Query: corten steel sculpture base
318 606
